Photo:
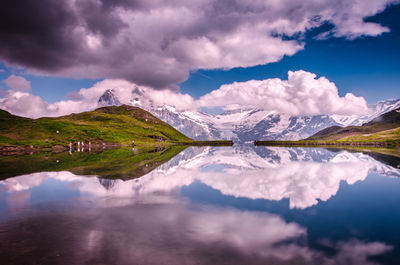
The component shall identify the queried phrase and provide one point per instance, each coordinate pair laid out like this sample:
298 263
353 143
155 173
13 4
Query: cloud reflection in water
146 221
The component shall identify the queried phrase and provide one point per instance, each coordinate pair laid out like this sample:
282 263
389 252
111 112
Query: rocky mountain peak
108 99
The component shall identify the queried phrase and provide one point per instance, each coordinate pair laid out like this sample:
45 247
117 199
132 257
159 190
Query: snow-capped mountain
196 125
376 110
277 126
108 99
246 124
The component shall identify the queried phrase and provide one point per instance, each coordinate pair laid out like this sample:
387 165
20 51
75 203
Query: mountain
375 110
108 99
195 124
385 126
389 118
106 125
247 124
282 126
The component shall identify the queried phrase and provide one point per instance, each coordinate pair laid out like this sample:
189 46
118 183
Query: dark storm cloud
43 34
100 18
37 33
157 43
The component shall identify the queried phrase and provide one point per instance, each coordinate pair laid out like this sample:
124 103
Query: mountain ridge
387 121
382 131
249 124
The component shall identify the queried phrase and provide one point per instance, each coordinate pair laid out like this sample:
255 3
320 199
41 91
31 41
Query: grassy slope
120 163
386 135
351 131
109 124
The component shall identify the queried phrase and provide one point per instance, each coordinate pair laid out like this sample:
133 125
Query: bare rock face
108 99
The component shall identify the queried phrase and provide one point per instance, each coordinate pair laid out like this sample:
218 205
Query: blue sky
48 56
50 88
367 66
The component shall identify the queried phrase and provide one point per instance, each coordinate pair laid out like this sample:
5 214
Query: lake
201 205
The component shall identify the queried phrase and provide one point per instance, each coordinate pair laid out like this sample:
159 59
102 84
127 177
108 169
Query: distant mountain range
247 124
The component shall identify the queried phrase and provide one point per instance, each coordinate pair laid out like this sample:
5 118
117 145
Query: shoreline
27 149
386 144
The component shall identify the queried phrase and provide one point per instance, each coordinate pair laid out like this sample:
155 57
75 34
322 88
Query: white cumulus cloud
86 99
302 94
18 83
24 104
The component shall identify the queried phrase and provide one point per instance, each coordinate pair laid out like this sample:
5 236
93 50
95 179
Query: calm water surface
206 205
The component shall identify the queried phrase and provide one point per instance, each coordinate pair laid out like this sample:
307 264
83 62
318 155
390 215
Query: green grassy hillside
386 135
117 125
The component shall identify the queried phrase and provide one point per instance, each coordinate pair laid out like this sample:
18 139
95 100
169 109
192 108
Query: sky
300 57
367 66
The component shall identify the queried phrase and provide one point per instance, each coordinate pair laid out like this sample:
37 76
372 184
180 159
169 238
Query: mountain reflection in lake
207 205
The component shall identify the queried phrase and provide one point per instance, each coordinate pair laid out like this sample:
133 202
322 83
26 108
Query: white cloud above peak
86 99
302 94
